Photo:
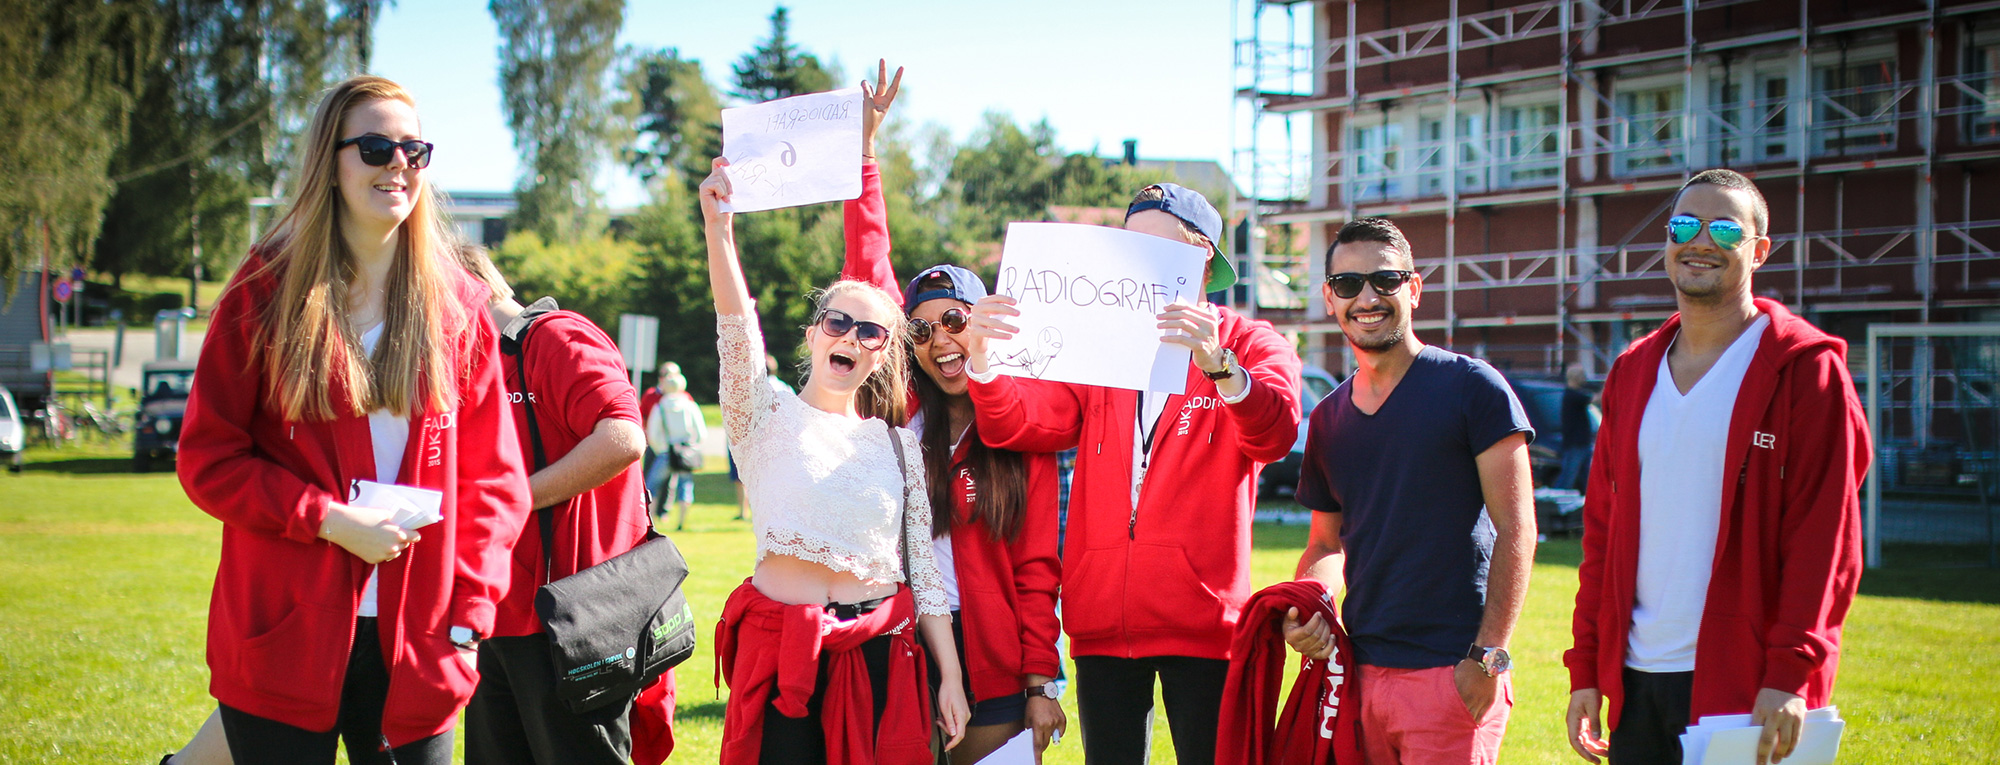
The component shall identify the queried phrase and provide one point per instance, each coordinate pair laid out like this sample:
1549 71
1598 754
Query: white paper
1089 297
412 508
1732 739
1019 750
793 151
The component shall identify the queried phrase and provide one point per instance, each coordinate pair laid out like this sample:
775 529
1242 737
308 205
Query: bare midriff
796 581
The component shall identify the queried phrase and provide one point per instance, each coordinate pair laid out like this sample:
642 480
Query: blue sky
1101 72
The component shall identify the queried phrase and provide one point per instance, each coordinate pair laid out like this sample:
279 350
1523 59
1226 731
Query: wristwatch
1494 661
1228 366
464 637
1049 690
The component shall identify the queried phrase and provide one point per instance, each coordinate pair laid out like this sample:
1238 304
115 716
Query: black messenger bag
617 626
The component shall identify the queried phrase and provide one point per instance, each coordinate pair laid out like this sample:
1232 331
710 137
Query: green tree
674 117
554 57
69 75
777 69
591 276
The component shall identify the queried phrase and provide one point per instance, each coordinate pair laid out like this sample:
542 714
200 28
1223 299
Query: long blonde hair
305 334
885 393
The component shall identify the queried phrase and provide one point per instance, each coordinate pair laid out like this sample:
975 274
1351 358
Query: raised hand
1198 325
875 103
714 190
988 322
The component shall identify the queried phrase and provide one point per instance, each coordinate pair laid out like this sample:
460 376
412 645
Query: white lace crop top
824 486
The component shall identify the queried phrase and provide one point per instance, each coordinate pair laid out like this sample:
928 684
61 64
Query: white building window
1855 100
1750 114
1527 142
1375 162
1981 92
1648 128
1432 155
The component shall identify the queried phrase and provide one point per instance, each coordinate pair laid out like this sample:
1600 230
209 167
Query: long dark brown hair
1000 474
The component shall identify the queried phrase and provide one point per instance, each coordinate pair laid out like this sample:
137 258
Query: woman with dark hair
351 347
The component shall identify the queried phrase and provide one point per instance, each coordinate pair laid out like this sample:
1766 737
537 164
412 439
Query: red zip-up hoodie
281 618
1007 590
1320 723
1788 552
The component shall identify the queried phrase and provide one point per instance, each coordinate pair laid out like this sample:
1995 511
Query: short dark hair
1372 230
1760 214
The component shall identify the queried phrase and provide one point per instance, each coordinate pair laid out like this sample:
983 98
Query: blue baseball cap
1193 209
964 287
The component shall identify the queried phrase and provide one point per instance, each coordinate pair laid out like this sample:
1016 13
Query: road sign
76 274
63 290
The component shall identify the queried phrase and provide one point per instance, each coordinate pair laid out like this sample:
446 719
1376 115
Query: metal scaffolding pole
1802 146
1562 193
1451 185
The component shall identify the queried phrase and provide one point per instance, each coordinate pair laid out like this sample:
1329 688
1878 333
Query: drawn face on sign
841 364
943 358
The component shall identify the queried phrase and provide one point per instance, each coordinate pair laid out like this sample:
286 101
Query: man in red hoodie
1155 572
1715 579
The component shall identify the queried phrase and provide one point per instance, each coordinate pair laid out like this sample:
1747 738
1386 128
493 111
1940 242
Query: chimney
1131 151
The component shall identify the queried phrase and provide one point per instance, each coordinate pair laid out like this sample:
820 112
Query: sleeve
747 400
1581 658
923 576
492 489
866 222
1027 415
1492 411
1038 570
220 466
1267 417
582 372
1820 543
1315 491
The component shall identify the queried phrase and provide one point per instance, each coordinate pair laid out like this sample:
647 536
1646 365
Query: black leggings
1654 715
1114 704
789 740
254 740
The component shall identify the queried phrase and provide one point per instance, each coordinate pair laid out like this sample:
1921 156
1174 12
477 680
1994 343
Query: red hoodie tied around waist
1321 718
1788 551
769 652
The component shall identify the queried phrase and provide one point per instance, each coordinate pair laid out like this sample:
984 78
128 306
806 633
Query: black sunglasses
952 322
376 150
1347 286
837 324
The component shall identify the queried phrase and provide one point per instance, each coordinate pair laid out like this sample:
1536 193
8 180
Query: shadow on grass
710 709
86 466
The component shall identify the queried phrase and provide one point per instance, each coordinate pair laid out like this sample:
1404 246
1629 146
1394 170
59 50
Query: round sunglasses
376 150
1727 234
952 322
1348 285
834 323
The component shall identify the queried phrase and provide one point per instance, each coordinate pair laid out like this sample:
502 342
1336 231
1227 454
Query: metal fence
1933 398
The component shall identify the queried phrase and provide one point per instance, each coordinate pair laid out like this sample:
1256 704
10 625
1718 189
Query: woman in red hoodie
350 348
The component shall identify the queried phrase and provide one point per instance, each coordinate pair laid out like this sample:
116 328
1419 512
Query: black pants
1114 701
516 718
1654 715
801 740
254 740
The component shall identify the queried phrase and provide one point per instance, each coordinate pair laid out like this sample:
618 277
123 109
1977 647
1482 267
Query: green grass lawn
104 580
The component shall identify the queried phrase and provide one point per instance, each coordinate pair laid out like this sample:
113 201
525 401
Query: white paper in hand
793 151
1089 297
412 508
1019 750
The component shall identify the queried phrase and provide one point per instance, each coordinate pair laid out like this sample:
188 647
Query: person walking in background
1698 594
1155 572
676 431
1416 468
349 347
649 400
1579 430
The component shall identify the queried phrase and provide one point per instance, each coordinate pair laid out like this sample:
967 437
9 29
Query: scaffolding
1778 103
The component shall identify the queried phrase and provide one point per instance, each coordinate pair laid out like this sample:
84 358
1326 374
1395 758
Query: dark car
1281 478
164 393
1543 400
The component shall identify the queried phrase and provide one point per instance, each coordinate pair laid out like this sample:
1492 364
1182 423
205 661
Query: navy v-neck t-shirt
1415 528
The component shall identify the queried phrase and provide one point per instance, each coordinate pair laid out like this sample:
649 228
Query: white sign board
1089 297
638 343
793 151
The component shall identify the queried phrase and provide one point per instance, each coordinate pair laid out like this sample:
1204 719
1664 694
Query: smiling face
943 358
379 197
1703 272
839 364
1372 323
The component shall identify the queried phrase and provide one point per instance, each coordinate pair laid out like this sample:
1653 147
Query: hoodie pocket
439 681
1173 598
299 659
1090 592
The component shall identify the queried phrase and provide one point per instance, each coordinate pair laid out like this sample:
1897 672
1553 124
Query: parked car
1281 478
1542 397
13 431
164 392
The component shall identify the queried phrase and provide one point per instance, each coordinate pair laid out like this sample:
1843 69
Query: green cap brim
1222 272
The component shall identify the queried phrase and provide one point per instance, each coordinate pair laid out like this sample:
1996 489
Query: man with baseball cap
1155 572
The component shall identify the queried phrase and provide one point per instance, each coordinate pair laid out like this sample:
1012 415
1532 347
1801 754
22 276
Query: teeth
950 357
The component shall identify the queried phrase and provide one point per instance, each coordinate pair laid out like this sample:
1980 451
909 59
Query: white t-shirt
390 434
1682 442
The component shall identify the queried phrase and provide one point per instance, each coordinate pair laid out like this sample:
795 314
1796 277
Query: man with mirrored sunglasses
1722 523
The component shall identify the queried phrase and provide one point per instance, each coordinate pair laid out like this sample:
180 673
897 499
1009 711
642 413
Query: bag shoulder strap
902 521
514 342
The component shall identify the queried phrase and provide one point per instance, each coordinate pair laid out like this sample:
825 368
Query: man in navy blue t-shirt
1417 470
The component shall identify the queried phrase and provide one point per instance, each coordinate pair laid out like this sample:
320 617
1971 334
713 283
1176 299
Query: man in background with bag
675 430
578 419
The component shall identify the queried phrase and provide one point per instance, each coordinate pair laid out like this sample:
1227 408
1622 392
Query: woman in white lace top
833 509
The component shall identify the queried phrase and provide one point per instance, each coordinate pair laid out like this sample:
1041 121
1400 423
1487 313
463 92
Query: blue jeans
1575 467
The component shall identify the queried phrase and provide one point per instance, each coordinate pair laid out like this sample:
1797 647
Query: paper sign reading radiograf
1089 297
793 151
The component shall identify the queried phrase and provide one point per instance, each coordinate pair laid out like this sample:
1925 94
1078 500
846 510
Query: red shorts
1415 717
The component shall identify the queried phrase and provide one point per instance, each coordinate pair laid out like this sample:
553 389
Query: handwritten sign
793 151
1089 297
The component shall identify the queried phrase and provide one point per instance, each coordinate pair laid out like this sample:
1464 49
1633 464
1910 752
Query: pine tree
776 69
554 55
